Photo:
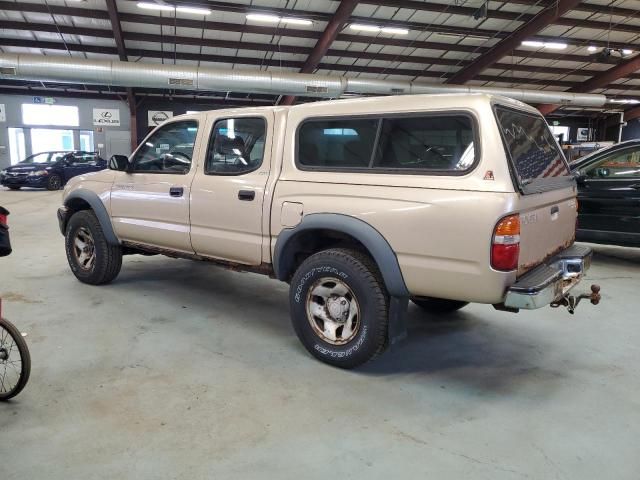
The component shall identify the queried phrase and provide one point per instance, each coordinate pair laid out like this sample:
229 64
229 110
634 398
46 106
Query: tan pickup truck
360 205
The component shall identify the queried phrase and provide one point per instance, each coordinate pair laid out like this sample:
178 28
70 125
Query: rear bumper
550 281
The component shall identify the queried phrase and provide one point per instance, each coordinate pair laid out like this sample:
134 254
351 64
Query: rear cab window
535 157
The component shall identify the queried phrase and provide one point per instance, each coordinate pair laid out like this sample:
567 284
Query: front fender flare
100 211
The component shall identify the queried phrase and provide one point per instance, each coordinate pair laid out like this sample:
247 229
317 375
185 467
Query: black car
50 170
609 195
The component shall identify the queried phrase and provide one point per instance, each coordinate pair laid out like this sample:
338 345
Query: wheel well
76 204
308 242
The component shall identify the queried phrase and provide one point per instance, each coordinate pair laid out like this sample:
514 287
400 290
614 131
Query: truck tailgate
546 227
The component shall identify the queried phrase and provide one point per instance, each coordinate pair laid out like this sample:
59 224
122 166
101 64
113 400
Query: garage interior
182 370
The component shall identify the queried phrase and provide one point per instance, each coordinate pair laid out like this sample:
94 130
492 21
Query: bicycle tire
25 358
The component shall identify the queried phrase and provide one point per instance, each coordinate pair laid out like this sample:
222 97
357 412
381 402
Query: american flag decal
532 148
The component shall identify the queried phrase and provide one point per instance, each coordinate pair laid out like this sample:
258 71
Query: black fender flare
372 239
98 208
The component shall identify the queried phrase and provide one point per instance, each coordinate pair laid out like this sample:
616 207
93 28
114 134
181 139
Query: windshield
46 157
534 153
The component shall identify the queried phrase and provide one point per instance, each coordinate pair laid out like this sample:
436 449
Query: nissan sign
156 117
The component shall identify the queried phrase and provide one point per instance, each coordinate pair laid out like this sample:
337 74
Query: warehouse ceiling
589 46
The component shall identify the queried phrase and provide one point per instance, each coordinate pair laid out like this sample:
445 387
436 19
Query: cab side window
169 150
330 144
620 165
236 146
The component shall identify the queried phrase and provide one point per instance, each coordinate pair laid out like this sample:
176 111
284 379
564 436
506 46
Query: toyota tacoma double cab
361 205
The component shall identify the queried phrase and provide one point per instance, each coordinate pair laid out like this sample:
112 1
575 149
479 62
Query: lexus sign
106 117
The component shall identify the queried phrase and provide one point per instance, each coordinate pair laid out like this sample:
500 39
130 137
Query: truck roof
388 103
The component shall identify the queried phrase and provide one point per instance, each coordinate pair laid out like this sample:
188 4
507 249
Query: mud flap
397 319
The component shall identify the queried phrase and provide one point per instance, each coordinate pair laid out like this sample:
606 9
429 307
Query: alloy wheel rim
333 311
84 249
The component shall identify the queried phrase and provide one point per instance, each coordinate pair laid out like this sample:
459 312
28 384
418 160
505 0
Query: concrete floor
183 370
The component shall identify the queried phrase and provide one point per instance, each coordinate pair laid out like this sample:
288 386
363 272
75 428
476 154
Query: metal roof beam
331 31
423 6
103 33
602 80
263 30
515 38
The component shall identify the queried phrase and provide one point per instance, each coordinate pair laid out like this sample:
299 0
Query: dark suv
50 170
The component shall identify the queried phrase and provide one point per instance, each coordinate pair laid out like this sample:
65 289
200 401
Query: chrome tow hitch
571 301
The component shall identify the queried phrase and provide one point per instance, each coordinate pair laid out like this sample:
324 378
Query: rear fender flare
372 239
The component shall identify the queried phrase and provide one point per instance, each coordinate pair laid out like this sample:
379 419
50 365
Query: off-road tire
54 182
108 259
439 306
360 273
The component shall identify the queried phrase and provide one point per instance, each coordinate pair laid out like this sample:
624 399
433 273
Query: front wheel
340 307
15 361
91 258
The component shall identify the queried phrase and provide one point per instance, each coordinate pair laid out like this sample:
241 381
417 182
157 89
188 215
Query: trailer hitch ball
595 294
572 302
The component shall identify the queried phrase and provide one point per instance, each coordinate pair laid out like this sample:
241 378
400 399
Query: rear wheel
91 258
339 307
54 182
15 361
439 305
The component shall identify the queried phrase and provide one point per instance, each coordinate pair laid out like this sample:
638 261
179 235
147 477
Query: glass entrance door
49 139
17 150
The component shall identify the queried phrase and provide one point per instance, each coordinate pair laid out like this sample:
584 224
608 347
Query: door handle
176 191
246 195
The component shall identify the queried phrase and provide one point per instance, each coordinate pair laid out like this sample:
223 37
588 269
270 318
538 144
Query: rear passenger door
76 164
227 194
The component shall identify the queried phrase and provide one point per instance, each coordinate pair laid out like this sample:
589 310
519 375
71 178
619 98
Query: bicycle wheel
15 361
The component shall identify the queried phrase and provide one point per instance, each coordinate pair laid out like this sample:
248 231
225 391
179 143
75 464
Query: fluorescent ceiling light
591 48
268 18
555 45
263 17
529 43
627 52
395 31
155 6
364 28
625 100
297 21
194 10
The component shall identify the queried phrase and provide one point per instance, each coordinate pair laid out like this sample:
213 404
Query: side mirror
579 176
119 163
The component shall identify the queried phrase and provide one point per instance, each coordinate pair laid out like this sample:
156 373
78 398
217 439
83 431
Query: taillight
505 247
3 218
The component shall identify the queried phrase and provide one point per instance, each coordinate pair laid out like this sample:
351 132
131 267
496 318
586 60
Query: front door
150 203
609 194
228 192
